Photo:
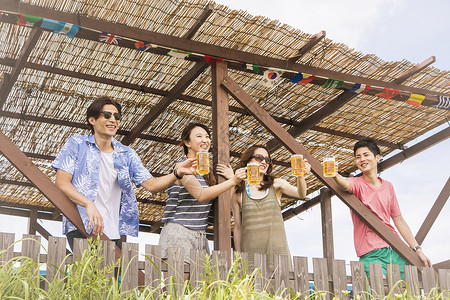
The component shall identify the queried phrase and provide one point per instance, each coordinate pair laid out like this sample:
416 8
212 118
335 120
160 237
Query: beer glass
253 173
297 165
329 166
202 162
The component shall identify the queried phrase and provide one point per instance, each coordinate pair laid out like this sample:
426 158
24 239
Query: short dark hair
96 108
369 143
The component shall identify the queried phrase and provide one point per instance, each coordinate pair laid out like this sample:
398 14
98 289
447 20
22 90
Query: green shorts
384 256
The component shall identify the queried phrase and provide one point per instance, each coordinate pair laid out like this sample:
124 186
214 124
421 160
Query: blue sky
393 30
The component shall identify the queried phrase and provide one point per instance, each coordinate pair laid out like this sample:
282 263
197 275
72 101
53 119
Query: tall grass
85 279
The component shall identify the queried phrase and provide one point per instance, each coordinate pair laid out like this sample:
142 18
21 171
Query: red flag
388 93
212 60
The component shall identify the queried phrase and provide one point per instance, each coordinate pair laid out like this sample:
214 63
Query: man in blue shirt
96 172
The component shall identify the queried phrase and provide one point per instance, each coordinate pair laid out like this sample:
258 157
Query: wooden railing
300 281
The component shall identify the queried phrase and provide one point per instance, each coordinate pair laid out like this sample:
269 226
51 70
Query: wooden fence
148 268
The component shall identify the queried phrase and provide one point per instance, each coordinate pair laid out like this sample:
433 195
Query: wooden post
327 227
31 221
221 154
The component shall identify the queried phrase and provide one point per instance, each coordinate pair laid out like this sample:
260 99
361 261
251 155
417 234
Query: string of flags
269 78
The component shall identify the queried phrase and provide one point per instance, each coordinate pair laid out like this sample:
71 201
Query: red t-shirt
382 202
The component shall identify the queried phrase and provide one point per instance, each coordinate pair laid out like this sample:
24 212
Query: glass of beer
297 165
329 166
203 162
253 173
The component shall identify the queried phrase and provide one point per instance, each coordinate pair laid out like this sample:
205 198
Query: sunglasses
108 114
259 158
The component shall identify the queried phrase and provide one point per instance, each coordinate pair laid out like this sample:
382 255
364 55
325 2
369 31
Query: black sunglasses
260 158
108 114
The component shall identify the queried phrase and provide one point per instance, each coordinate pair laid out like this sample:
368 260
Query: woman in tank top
189 199
260 227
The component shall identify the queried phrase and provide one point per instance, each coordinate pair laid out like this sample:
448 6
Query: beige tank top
263 228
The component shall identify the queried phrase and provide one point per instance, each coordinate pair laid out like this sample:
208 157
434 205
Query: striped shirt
184 209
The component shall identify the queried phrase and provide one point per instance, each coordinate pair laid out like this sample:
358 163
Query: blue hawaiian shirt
81 158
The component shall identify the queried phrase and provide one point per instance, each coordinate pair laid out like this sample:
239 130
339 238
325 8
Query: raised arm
64 182
237 230
343 183
407 235
202 194
284 187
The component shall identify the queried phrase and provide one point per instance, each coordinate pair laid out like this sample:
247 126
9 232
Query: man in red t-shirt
379 196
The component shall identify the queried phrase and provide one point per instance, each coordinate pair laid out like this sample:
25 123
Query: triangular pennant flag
333 83
143 46
179 53
443 102
27 20
269 78
360 88
109 38
297 78
388 93
254 68
212 60
415 99
302 78
68 29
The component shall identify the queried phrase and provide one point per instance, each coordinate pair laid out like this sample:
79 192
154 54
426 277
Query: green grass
86 280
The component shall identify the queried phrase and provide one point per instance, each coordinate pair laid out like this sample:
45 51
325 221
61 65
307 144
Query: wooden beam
442 265
308 46
292 212
414 150
327 227
155 111
199 21
173 42
20 62
434 212
160 92
294 147
338 102
221 154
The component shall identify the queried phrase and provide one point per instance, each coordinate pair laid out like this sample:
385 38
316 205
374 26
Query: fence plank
175 270
393 278
243 263
198 259
428 280
301 280
281 274
261 277
108 253
444 282
79 246
321 276
376 280
153 264
358 277
220 263
340 279
55 258
6 244
412 280
129 266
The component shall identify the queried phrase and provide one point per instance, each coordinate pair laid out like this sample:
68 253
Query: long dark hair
96 108
186 136
245 158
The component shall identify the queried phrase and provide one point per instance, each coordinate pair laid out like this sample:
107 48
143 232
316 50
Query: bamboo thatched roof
61 76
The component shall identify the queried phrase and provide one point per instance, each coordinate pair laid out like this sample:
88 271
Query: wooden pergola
48 80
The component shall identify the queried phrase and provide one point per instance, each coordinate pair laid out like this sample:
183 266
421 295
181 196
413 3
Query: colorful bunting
68 29
254 68
415 99
443 102
388 93
109 38
269 78
143 46
179 53
333 83
360 88
212 60
302 78
27 20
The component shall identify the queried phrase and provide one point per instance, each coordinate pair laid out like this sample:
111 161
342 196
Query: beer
329 166
297 165
202 162
253 173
